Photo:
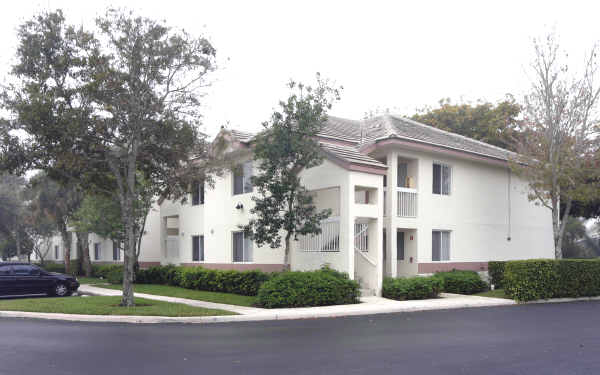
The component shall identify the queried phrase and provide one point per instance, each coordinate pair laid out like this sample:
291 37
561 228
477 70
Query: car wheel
61 290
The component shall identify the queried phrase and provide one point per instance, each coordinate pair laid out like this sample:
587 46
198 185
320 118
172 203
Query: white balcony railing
327 241
407 202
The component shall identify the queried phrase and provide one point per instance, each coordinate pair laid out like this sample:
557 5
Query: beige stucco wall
476 212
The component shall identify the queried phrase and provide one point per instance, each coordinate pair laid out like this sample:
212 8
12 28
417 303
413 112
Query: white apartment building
406 199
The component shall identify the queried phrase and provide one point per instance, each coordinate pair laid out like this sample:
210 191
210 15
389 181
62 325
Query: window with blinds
198 248
442 179
440 245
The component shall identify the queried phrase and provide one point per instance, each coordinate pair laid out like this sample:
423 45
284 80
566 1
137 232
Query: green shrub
496 272
311 288
527 280
461 282
103 270
245 283
115 276
411 287
54 267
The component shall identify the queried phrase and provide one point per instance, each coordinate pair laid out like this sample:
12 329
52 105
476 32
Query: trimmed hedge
311 288
496 272
245 283
104 270
164 275
409 288
461 282
115 276
527 280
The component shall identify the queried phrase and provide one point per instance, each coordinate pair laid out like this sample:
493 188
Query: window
56 252
440 245
97 251
402 174
197 248
116 251
242 248
241 179
4 270
198 194
400 245
442 179
24 270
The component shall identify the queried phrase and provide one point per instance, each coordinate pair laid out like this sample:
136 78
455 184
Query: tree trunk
64 234
128 216
128 256
287 255
18 237
86 264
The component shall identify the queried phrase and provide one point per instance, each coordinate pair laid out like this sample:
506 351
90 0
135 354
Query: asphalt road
530 339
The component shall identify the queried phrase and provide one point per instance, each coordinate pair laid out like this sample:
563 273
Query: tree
12 216
496 124
557 154
40 229
286 147
59 203
101 108
101 214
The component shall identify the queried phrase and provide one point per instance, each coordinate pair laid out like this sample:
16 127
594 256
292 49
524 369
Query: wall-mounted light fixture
239 206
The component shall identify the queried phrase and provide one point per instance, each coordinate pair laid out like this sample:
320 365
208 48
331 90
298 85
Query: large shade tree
109 105
560 118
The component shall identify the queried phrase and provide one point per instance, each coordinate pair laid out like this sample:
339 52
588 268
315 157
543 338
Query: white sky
387 54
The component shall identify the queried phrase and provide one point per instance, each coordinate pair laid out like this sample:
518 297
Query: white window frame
119 247
448 241
451 182
97 254
56 252
201 254
199 188
246 180
245 251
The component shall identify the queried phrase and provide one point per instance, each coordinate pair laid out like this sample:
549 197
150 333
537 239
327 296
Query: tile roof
357 134
390 126
350 154
241 136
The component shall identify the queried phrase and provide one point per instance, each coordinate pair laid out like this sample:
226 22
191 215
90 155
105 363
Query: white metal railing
366 257
407 202
327 241
361 239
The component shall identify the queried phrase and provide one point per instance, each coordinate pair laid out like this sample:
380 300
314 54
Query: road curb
302 313
292 314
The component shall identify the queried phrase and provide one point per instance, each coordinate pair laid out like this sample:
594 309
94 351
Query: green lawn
498 293
105 306
199 295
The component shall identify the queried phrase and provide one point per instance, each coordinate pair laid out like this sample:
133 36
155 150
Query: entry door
400 245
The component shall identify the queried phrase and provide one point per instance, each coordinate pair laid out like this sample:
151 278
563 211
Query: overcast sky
389 54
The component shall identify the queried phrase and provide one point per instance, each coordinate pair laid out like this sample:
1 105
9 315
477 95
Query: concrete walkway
243 310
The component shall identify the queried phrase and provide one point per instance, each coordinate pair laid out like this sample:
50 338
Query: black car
19 279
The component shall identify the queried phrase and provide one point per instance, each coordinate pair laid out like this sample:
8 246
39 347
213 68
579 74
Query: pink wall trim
148 264
443 266
238 266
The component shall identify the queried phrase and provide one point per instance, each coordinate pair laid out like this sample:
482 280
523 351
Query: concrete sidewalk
368 306
243 310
